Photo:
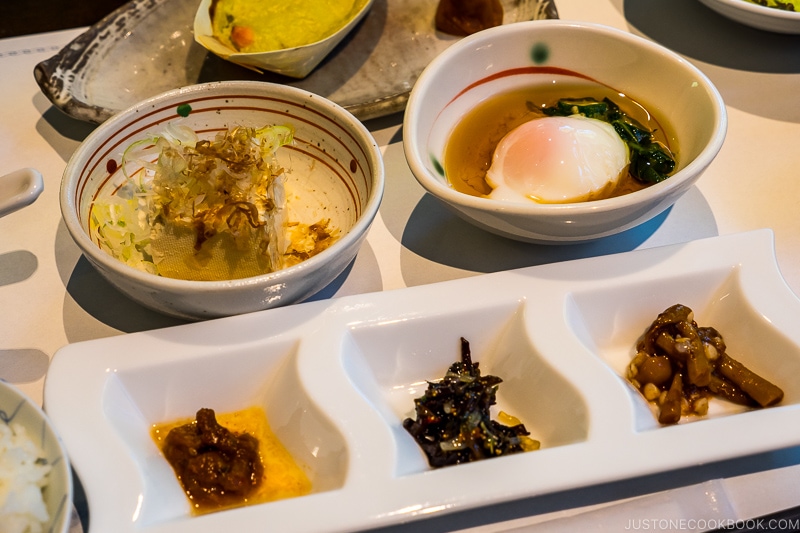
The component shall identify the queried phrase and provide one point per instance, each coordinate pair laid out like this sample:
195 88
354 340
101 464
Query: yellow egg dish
250 26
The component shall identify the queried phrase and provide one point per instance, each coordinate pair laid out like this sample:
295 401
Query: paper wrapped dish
290 38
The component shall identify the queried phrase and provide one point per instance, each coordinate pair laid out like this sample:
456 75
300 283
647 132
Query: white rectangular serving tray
337 377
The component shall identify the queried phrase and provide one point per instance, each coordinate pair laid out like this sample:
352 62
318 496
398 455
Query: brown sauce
216 467
229 460
469 150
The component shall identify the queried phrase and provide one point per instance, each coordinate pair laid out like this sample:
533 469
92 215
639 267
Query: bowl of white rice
35 474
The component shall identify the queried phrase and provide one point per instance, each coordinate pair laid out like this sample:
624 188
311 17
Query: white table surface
51 296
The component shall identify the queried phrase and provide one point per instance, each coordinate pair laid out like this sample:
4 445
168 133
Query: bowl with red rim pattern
538 63
332 171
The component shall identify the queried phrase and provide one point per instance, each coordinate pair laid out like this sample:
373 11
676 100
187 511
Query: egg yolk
557 160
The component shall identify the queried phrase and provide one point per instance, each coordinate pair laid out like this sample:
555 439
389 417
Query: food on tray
217 468
231 462
250 26
24 474
541 145
207 210
465 17
785 5
680 366
453 424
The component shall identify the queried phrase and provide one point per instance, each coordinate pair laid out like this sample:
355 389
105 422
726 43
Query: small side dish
465 17
330 170
779 16
35 471
453 421
289 38
680 366
559 64
535 144
24 474
231 462
252 26
207 210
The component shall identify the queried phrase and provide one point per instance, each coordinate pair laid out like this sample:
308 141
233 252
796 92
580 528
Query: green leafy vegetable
651 161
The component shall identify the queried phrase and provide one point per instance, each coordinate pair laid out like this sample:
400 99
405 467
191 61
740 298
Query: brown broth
468 152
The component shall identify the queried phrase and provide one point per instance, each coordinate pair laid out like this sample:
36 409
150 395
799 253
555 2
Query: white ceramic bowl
16 409
296 62
518 55
335 167
757 16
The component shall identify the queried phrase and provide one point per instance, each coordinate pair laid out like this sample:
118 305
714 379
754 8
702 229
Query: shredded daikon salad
202 209
23 475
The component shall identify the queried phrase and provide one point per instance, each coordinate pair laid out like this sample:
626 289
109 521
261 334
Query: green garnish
651 161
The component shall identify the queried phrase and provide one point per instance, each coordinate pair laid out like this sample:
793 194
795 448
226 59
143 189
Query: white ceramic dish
757 16
511 57
334 172
295 62
19 189
17 408
126 58
338 377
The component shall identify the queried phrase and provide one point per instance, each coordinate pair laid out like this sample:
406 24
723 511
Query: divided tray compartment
391 364
263 376
337 377
611 319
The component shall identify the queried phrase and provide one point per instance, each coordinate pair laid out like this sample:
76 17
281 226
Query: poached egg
558 160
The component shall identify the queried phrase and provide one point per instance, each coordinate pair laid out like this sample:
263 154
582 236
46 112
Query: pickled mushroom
679 365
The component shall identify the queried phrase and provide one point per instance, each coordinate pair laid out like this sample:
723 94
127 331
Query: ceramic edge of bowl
106 264
757 16
69 489
415 159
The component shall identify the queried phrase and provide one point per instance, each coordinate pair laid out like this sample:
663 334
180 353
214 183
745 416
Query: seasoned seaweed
453 423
